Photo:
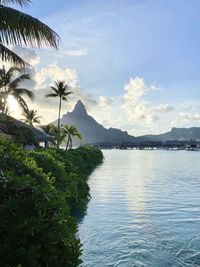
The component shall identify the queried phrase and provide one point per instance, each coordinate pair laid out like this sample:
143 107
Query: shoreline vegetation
41 190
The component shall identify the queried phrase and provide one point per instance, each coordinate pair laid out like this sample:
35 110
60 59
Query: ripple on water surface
144 210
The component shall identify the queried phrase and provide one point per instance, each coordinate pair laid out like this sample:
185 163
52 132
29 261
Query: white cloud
136 107
186 117
143 111
134 90
105 102
44 78
163 108
29 55
52 72
73 53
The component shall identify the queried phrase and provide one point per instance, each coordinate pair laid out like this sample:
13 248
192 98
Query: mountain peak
79 108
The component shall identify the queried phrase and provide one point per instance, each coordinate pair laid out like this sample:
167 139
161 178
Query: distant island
96 134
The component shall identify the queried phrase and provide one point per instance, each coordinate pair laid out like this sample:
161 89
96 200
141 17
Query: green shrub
78 164
38 191
36 228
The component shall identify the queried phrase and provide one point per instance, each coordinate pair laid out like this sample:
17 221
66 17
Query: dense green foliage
19 133
38 191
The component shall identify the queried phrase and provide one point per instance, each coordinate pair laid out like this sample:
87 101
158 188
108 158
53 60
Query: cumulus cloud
29 55
136 107
105 102
143 111
53 72
44 78
134 90
186 117
163 108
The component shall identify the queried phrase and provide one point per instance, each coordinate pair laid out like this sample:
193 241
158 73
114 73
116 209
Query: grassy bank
38 192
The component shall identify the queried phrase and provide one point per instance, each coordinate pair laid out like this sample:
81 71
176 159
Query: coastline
40 189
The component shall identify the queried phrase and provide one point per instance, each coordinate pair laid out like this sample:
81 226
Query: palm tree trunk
58 135
68 140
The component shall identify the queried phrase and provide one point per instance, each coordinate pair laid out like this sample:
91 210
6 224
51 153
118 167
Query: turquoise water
144 210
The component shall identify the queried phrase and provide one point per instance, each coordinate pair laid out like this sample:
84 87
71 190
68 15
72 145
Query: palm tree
71 131
52 130
18 28
31 116
49 129
10 86
60 90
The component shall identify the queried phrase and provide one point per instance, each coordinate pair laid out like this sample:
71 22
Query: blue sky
155 43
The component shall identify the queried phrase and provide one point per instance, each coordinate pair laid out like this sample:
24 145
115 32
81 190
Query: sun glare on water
12 104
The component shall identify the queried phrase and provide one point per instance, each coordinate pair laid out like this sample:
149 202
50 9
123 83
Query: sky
135 64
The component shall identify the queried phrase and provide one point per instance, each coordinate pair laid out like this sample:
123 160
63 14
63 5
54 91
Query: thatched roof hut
9 125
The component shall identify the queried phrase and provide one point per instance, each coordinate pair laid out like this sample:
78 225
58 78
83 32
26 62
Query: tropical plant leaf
54 89
51 95
79 136
10 72
19 2
8 55
18 80
64 98
31 116
18 28
22 91
22 102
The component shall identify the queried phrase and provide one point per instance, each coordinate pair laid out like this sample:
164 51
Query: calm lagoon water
144 210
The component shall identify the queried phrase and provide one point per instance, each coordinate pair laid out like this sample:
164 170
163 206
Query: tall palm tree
18 28
31 116
60 90
10 86
71 131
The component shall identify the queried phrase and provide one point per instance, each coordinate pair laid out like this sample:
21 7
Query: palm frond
55 90
22 91
8 55
31 116
79 136
51 95
67 93
11 71
19 2
22 102
18 80
64 98
7 75
18 28
37 119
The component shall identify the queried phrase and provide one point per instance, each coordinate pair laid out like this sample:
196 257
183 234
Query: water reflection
144 210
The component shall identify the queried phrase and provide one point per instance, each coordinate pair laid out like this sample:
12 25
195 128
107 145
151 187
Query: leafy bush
78 164
38 190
